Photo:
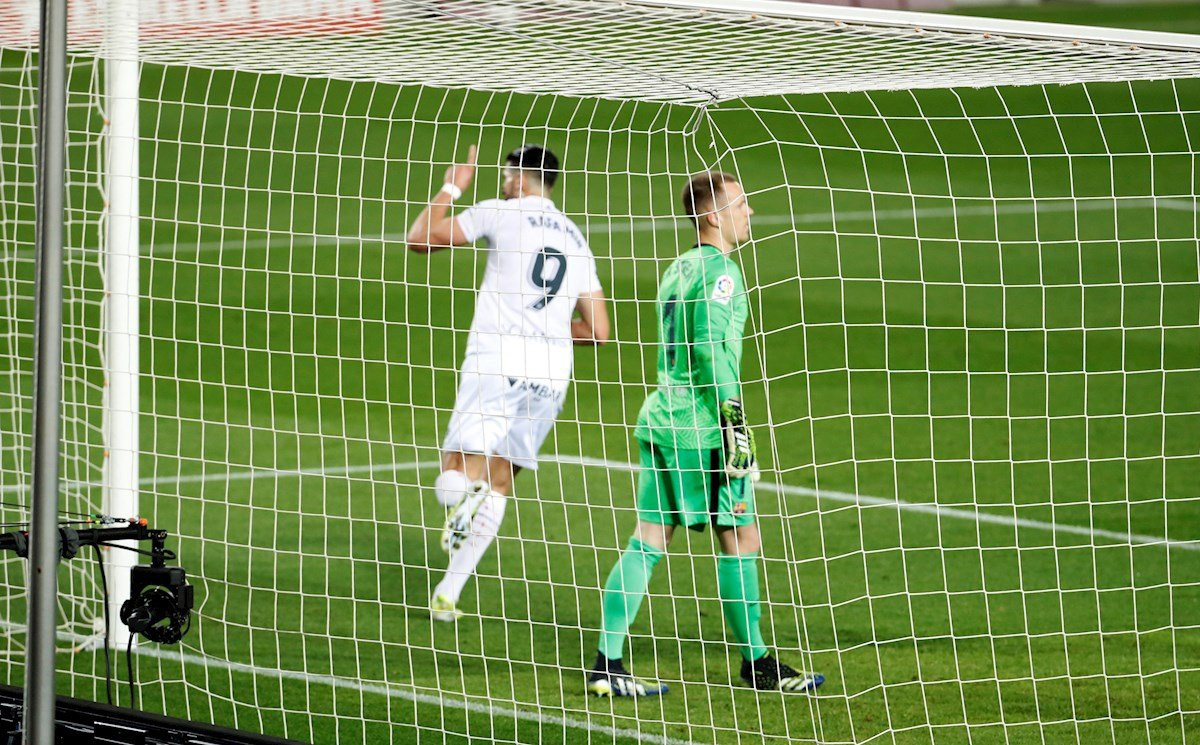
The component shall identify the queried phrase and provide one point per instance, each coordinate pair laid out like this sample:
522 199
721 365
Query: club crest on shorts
739 508
723 289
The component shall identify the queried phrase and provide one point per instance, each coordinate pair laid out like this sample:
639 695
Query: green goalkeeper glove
739 440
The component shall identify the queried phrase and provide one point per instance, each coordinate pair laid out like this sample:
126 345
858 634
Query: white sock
463 562
449 487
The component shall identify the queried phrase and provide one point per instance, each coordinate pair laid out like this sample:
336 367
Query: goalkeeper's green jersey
702 312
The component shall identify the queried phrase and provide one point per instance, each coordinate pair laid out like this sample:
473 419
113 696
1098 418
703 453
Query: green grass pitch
1025 373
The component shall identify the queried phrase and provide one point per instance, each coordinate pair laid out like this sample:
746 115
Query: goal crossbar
914 21
676 51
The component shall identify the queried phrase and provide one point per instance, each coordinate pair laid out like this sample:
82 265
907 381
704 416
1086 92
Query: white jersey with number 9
514 379
538 265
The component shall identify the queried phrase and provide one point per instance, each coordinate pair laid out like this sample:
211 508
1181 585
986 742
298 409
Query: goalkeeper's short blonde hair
700 193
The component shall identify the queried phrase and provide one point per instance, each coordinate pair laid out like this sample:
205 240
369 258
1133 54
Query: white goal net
972 363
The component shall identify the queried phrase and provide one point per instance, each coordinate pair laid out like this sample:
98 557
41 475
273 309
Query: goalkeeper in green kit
697 454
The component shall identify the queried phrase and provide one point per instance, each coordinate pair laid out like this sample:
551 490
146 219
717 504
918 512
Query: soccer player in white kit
540 294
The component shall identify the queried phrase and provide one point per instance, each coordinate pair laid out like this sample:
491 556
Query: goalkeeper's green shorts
689 487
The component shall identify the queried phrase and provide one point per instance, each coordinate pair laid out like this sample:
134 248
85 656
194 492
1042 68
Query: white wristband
452 190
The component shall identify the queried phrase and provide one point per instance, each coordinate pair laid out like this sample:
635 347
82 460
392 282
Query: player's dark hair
537 159
700 193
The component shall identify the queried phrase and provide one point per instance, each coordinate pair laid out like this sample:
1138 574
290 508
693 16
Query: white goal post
974 284
122 407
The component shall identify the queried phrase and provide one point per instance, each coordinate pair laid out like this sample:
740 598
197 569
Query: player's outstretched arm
592 326
434 229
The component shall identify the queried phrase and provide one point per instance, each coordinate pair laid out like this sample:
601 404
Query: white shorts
499 415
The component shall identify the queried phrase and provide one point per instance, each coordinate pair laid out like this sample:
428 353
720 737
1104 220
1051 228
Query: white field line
958 513
1000 208
495 710
671 223
381 689
247 475
390 691
944 511
1048 205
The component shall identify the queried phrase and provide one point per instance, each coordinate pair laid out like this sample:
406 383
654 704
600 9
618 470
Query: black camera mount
160 598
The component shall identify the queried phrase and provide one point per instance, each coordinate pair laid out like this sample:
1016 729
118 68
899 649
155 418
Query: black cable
166 554
19 506
108 676
129 666
61 524
23 524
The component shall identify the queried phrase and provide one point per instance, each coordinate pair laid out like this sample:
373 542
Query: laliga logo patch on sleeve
723 289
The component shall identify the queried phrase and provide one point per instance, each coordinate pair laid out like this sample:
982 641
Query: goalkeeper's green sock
623 593
737 583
